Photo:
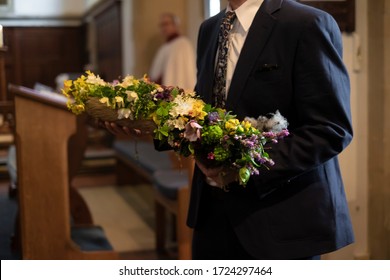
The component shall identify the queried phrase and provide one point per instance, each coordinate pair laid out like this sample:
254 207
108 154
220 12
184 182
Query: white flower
119 101
179 123
131 96
96 80
127 81
124 113
192 131
276 123
183 106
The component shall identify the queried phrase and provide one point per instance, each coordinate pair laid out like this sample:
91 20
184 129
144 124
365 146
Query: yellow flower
247 125
197 110
67 84
231 125
119 100
76 108
105 100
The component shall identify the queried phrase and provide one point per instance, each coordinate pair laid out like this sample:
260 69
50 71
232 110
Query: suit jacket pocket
268 72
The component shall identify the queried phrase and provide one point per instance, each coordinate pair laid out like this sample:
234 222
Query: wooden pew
50 142
171 178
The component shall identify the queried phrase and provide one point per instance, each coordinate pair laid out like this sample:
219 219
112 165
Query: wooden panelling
39 54
109 41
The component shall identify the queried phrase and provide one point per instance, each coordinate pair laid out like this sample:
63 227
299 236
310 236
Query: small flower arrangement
183 120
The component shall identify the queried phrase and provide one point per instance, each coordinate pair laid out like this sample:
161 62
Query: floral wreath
183 120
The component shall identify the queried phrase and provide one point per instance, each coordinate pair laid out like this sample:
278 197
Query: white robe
174 63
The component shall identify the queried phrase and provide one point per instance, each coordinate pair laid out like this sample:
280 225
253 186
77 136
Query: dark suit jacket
291 61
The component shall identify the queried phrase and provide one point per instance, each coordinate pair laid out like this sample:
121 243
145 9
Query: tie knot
229 17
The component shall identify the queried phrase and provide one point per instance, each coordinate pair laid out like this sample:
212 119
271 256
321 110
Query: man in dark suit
282 56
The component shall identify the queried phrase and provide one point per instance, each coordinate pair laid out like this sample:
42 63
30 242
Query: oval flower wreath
181 119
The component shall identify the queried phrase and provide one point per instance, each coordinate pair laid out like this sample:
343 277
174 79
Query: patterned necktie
219 89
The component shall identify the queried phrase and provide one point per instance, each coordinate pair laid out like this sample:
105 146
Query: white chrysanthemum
183 106
131 95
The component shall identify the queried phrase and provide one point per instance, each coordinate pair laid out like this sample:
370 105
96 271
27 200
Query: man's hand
218 176
120 130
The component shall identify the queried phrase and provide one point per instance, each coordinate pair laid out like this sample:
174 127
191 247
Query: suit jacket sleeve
321 106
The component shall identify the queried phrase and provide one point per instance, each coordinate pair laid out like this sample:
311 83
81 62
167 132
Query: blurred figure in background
174 62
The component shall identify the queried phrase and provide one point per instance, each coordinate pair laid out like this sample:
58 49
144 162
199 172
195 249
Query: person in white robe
174 62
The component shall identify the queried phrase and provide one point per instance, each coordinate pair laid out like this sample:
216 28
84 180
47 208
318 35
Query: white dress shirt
245 15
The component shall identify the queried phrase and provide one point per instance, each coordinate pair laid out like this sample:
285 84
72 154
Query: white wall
44 13
90 3
128 51
52 8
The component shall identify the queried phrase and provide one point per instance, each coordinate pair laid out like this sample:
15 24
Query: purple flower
164 94
269 134
283 133
248 143
192 131
210 155
213 117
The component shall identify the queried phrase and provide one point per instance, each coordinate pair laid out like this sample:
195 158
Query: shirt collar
246 12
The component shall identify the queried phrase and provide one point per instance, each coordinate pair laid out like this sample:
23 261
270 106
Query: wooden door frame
379 129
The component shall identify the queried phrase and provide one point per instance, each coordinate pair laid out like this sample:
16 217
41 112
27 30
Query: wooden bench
50 144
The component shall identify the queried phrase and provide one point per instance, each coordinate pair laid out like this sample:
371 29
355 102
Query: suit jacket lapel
210 67
257 37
